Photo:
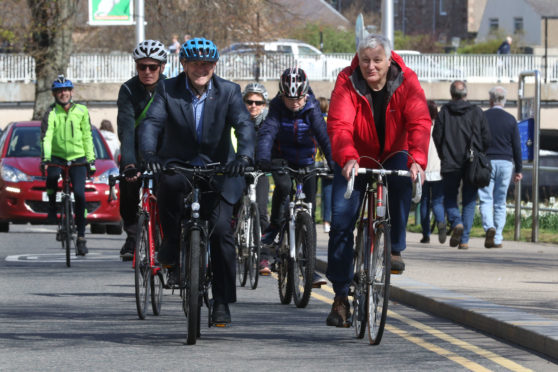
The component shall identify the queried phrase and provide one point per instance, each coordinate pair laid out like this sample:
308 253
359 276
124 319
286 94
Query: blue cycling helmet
199 49
61 82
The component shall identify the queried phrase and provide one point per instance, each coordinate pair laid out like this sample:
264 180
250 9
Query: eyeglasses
143 67
294 99
249 102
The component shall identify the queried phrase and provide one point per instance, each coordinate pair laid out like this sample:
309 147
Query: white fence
116 68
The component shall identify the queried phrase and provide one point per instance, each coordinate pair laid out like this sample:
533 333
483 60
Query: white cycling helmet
151 49
255 88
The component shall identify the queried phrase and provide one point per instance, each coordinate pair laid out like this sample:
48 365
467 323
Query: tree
50 44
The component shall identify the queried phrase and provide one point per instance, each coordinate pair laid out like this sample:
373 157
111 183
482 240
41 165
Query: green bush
335 41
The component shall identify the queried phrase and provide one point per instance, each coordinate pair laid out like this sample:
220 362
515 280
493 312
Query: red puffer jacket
351 127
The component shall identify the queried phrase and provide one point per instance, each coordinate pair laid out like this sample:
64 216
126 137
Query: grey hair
498 95
372 41
458 90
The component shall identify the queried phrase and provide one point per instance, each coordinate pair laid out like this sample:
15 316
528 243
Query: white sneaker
327 227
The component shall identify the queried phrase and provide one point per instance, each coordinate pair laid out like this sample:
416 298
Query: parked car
251 58
23 197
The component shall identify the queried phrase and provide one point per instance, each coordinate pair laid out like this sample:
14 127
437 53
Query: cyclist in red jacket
377 112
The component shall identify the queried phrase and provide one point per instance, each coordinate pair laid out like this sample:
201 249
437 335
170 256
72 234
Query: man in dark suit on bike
190 120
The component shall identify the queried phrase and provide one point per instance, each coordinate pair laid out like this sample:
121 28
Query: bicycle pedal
397 272
221 325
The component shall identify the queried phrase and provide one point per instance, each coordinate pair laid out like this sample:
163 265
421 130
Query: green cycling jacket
67 135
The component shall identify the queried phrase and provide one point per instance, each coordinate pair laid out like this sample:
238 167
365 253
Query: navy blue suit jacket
169 129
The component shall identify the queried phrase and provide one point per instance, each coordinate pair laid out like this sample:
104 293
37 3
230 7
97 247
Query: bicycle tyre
360 298
254 244
302 273
284 266
142 267
378 284
157 279
191 299
241 241
67 239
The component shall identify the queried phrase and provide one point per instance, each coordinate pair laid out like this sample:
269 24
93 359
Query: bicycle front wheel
284 266
378 284
66 225
241 241
305 258
254 244
142 267
156 279
190 259
360 279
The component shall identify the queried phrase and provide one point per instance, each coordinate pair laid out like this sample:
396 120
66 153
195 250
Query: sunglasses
143 67
257 103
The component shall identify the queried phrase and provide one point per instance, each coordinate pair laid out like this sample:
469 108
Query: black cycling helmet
293 83
61 82
199 49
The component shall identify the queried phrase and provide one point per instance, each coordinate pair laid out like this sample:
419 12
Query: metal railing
87 68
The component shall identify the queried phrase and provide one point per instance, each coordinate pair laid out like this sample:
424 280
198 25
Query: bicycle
372 254
194 264
66 230
148 275
295 245
247 233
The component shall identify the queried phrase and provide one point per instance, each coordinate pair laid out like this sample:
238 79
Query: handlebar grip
417 189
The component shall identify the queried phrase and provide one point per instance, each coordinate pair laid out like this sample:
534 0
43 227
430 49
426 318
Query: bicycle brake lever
350 185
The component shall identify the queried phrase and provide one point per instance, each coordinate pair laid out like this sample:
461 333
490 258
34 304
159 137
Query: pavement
510 293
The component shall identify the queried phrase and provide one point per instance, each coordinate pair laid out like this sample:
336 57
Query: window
493 24
518 25
442 8
304 50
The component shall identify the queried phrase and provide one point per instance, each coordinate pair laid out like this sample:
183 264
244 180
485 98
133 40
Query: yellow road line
504 362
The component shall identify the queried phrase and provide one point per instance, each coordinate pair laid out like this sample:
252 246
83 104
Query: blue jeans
345 214
327 184
450 182
432 198
492 198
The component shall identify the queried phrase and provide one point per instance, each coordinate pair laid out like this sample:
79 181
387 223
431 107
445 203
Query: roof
545 8
316 11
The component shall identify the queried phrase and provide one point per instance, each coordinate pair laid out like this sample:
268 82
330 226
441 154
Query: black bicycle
295 245
66 232
194 266
247 233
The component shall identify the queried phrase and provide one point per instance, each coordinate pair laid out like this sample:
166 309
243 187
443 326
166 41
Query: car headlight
103 178
12 174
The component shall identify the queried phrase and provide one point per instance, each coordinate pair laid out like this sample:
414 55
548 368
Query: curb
528 330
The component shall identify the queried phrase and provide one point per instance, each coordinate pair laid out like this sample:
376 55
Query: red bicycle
148 274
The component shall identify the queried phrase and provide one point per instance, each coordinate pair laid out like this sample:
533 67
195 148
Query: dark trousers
129 201
262 198
77 177
218 212
279 202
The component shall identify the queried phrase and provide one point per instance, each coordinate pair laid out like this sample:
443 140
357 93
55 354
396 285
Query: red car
23 195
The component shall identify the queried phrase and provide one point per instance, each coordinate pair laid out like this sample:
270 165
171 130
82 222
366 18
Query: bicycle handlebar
384 172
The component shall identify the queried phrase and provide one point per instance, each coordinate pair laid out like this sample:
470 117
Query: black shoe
81 247
489 239
168 253
220 315
51 217
173 278
127 251
456 235
425 240
442 232
340 313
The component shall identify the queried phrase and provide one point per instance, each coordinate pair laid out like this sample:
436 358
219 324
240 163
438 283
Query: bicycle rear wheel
190 259
66 237
360 298
378 284
157 279
254 245
302 273
284 266
142 267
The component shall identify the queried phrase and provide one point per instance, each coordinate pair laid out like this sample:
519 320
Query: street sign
111 12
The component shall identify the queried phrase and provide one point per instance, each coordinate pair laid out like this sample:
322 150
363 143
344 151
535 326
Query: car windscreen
25 142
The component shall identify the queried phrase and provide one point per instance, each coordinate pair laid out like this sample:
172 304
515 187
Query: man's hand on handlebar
415 170
349 165
131 173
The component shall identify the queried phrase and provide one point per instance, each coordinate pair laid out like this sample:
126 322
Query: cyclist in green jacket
66 136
